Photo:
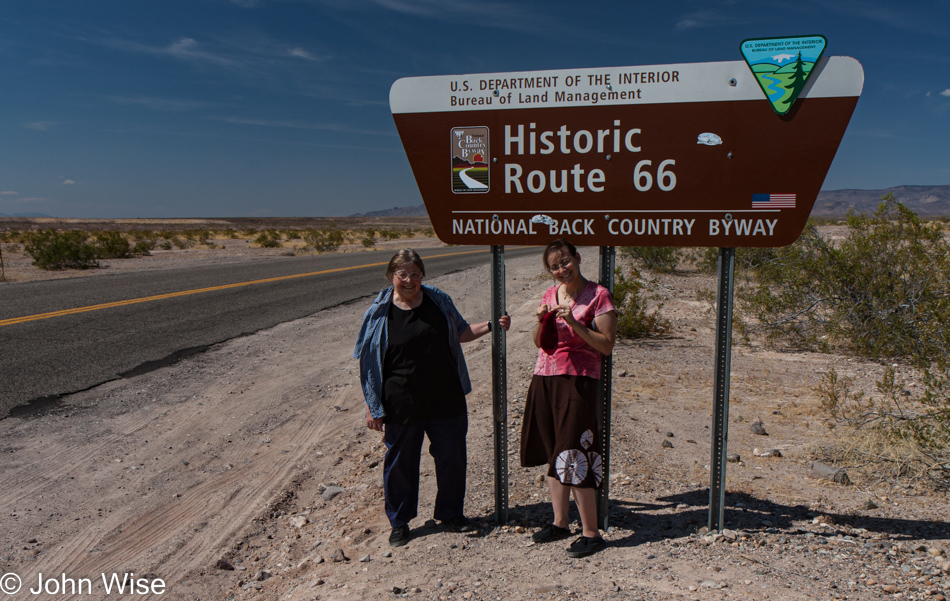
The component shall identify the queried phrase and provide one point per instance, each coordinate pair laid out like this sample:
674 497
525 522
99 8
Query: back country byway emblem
782 66
469 159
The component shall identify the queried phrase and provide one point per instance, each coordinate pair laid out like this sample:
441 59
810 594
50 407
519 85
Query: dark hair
559 245
403 256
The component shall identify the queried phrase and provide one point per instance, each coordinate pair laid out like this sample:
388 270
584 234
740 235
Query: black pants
401 467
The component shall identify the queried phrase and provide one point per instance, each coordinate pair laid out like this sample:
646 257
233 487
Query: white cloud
945 92
39 125
335 127
8 193
891 14
255 54
301 53
502 15
190 49
412 8
68 182
187 49
703 20
161 104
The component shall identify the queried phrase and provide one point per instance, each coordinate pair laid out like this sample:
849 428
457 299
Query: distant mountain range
416 211
927 201
25 215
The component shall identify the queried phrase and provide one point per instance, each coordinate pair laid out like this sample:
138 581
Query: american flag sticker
773 201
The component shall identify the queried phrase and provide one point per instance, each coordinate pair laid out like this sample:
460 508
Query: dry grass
874 458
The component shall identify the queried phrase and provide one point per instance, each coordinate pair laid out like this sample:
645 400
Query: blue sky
202 108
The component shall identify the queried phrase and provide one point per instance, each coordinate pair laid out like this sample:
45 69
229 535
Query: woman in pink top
577 324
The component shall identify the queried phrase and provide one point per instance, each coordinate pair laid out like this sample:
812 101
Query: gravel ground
246 472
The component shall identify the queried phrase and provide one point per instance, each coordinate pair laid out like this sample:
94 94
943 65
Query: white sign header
657 84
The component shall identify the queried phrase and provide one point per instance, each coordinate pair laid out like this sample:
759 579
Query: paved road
85 343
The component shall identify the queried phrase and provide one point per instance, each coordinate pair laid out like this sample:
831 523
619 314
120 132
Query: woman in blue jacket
414 380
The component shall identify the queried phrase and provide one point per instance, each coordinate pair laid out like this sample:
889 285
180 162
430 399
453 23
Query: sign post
720 154
499 374
720 431
605 396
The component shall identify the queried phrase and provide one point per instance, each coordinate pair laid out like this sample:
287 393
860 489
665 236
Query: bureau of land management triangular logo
783 65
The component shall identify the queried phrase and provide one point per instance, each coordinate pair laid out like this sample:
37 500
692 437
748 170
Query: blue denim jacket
373 339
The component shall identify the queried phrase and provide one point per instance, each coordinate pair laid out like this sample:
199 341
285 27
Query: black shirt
420 376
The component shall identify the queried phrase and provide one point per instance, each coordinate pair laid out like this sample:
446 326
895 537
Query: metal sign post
499 383
605 395
717 463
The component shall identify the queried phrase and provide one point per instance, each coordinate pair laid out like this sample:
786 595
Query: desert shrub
15 236
892 434
746 259
395 234
197 236
61 250
322 240
138 235
142 247
824 221
369 239
633 318
111 244
174 239
883 291
269 239
661 259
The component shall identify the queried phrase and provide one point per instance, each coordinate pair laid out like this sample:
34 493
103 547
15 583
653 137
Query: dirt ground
247 472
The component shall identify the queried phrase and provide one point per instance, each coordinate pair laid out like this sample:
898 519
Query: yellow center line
122 303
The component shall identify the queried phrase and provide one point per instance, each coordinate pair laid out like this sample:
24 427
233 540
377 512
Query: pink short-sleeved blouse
573 356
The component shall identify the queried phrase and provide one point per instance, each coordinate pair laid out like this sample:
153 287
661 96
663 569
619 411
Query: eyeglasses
405 276
562 265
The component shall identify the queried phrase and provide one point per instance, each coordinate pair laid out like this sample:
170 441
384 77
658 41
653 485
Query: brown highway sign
665 155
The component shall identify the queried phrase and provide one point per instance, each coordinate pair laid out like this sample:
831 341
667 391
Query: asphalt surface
45 357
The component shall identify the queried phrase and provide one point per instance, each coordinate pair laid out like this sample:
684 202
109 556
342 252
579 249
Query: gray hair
403 256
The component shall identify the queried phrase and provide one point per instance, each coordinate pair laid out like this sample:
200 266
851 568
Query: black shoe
458 524
550 533
585 546
399 536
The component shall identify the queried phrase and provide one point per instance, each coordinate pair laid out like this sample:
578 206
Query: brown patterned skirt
560 429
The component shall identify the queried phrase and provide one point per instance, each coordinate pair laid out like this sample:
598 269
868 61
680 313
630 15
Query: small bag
549 332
